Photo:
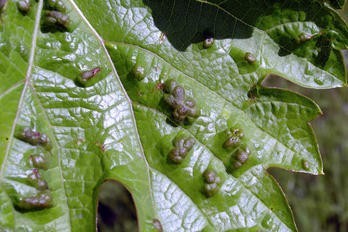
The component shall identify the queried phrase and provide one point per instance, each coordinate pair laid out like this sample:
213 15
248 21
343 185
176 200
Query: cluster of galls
182 146
34 137
211 183
184 108
241 156
36 180
234 138
234 142
43 198
54 17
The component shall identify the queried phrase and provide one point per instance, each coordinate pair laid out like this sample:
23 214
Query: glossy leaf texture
193 71
89 127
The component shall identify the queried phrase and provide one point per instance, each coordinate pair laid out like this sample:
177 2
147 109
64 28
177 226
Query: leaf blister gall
138 72
54 21
157 225
2 4
208 42
182 147
241 156
89 77
184 108
55 5
23 6
33 137
303 37
212 181
305 164
38 161
36 180
42 200
234 139
250 58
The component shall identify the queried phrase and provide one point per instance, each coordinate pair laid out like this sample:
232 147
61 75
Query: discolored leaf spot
138 72
2 4
305 164
212 181
55 21
38 161
157 225
234 139
304 37
54 5
87 76
23 6
182 146
211 176
33 137
36 180
40 201
208 42
175 156
240 158
184 109
250 58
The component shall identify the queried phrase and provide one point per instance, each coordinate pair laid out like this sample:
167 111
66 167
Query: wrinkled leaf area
58 81
226 88
61 136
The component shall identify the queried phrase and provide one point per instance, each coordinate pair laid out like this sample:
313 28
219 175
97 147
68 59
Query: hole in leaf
116 209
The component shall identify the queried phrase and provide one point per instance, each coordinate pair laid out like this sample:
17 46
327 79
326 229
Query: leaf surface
97 133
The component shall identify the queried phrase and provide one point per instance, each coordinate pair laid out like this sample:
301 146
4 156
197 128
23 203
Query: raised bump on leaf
157 225
87 76
234 139
305 164
55 21
184 108
38 161
23 6
182 147
41 200
211 176
2 4
33 137
138 72
55 5
208 42
212 181
240 158
303 37
36 180
250 58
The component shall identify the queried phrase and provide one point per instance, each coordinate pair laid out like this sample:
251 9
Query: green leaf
58 80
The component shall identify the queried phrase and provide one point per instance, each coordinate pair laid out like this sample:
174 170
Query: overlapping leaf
95 134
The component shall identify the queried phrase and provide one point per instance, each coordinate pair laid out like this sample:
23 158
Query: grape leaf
59 82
